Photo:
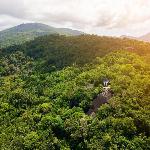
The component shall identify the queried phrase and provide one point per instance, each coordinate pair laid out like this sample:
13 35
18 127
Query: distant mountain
26 32
129 37
145 37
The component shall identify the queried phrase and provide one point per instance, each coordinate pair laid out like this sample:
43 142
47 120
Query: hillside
48 87
48 110
26 32
62 51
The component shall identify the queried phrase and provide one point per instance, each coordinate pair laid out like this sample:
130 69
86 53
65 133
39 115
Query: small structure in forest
105 82
101 98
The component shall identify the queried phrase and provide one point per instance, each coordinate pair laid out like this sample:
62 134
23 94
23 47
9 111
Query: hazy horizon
102 17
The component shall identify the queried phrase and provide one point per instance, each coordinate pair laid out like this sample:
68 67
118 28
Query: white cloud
15 8
93 16
7 21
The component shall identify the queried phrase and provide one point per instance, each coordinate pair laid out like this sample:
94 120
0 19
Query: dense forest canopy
61 51
47 86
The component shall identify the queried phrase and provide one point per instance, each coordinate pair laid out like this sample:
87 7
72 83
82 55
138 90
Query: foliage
47 110
57 52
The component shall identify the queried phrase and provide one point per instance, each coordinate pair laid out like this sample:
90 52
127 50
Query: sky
102 17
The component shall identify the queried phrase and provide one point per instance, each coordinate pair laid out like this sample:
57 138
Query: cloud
99 13
87 15
15 8
7 21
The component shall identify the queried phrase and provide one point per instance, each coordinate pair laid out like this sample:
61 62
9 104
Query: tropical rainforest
47 86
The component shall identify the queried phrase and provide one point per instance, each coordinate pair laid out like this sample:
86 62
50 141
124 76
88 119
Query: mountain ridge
145 37
26 32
